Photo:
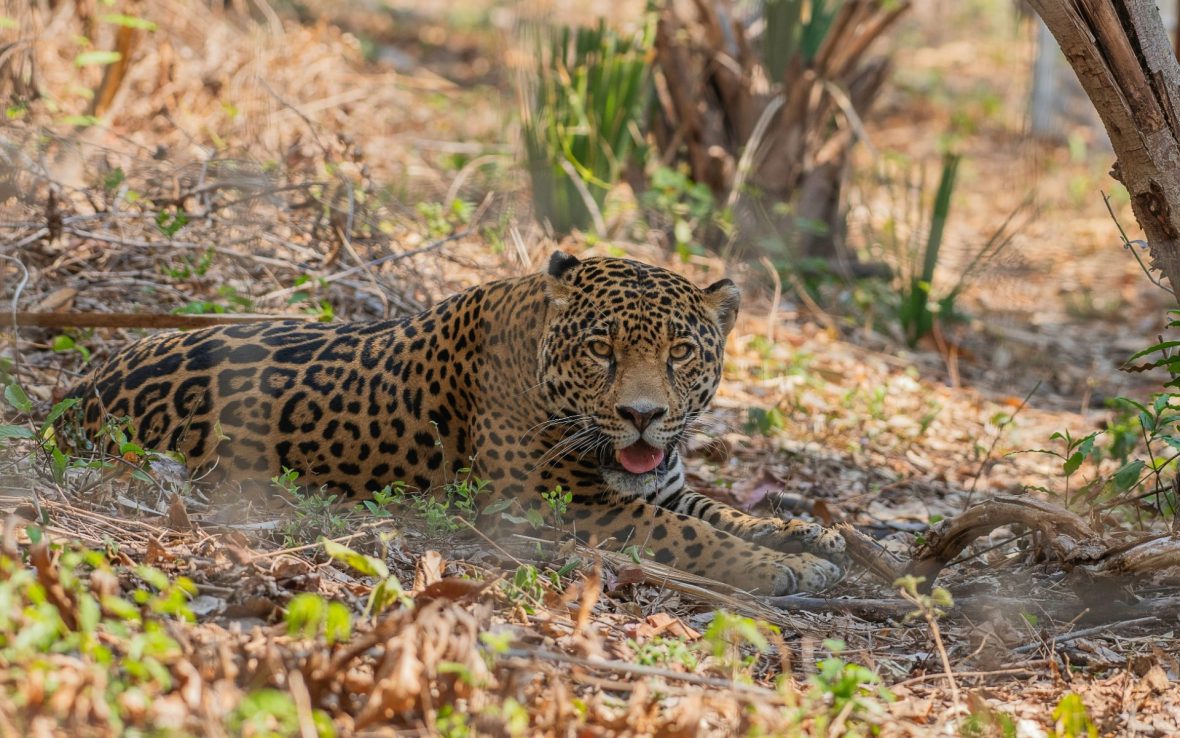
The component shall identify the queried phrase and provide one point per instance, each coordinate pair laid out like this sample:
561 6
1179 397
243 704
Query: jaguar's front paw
798 536
805 573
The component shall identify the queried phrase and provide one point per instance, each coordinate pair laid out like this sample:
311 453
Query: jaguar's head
630 355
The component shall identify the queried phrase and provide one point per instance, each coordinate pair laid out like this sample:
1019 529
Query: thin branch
991 449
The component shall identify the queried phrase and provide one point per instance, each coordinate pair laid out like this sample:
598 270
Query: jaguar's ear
560 263
556 288
724 298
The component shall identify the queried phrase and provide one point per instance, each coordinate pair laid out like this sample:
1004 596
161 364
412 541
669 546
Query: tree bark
1122 55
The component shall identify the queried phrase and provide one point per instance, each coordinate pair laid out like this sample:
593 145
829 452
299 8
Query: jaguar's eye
680 351
600 349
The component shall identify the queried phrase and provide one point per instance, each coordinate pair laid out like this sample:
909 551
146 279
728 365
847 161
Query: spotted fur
532 382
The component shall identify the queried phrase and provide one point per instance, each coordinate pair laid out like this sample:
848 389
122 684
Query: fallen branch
1065 533
871 555
1085 633
141 320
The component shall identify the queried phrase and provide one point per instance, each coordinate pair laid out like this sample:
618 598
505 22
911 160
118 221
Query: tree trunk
1124 60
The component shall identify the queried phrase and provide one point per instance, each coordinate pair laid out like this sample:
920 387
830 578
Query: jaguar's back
355 406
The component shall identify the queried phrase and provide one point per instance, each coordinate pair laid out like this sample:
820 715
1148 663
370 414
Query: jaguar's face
631 354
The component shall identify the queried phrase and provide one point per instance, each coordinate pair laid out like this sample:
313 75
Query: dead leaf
178 515
823 511
1156 680
454 589
156 553
748 493
288 567
660 623
59 299
628 575
429 571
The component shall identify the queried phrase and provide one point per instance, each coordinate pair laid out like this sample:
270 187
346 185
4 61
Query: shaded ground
321 165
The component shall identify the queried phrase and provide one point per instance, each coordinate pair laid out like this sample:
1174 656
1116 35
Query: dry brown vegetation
305 164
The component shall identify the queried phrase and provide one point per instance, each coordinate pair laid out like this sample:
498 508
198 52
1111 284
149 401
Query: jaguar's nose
641 416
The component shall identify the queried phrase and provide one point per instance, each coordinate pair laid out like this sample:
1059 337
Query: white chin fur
627 484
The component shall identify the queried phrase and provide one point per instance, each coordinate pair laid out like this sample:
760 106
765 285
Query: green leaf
1154 349
62 343
305 612
1126 477
128 21
367 565
387 592
59 409
498 506
96 58
153 577
8 23
15 432
17 398
337 623
82 121
1072 463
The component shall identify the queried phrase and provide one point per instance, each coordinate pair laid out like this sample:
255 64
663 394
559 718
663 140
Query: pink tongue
640 458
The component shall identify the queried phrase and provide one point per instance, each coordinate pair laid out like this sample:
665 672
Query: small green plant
386 593
850 687
444 510
228 299
685 209
916 312
983 722
930 607
1076 451
169 222
558 502
385 498
271 713
309 616
764 421
1123 433
636 553
65 343
463 494
665 651
514 716
443 220
63 600
187 268
526 588
730 638
1144 437
318 307
112 180
581 120
315 513
1072 719
450 723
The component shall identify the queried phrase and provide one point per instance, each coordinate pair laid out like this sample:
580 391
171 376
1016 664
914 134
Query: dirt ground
276 135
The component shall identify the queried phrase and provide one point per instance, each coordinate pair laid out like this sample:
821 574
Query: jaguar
585 378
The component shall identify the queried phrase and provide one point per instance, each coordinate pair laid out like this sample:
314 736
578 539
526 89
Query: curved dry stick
1065 532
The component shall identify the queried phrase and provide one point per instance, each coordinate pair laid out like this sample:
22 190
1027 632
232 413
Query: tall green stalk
583 120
